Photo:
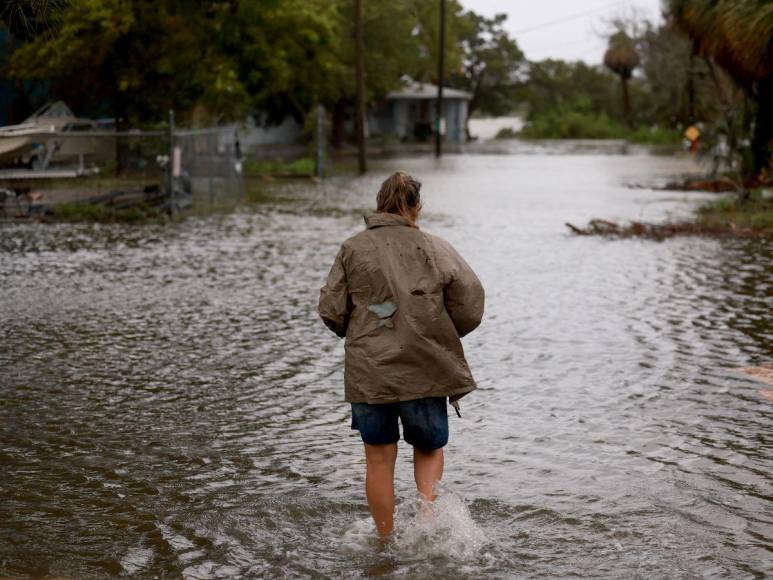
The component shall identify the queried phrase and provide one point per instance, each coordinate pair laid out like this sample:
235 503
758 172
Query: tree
738 36
392 49
678 88
359 48
554 84
426 15
142 57
137 58
621 58
287 54
28 18
490 66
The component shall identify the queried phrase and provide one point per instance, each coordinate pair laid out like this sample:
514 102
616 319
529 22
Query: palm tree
26 18
621 58
738 36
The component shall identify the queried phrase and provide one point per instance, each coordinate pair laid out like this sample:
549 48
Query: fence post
210 168
169 177
320 167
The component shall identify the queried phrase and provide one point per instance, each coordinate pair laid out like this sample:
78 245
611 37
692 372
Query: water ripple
172 406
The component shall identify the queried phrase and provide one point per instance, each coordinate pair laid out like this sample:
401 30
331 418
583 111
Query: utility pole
440 67
691 84
359 49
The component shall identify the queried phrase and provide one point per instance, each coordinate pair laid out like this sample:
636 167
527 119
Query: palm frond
738 34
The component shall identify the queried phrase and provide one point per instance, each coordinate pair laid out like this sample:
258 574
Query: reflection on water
172 406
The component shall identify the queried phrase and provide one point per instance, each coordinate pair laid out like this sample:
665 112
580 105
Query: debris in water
634 229
763 374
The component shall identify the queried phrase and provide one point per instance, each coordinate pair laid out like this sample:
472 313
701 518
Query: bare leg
427 470
380 484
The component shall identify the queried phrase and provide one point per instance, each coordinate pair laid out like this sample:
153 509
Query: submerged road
171 405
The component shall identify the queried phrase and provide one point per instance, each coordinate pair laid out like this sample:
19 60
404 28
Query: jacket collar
378 219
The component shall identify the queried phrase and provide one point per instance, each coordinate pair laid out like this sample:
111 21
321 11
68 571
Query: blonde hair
399 194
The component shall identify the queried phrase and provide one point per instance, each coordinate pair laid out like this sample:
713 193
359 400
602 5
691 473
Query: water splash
443 529
361 538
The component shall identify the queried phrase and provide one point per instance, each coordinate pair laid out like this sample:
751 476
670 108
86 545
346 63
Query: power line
568 18
551 46
580 54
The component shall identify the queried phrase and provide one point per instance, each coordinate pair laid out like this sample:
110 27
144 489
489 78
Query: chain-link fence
46 166
210 165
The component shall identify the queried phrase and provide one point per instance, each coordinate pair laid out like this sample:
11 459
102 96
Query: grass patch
755 212
506 133
654 136
728 216
303 167
94 212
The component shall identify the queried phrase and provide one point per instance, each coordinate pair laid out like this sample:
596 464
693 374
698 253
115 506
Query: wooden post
320 168
359 50
440 71
169 176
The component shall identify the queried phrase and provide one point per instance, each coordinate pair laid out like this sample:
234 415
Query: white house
410 113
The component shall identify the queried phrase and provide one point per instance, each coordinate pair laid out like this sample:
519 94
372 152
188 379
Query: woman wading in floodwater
402 298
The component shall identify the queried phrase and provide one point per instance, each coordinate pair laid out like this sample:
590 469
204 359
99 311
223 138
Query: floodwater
171 405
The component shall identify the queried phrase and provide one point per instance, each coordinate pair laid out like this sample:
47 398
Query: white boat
51 134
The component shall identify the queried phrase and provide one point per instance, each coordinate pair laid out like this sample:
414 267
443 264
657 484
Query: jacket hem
454 394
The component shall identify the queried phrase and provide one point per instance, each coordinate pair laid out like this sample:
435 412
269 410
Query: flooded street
172 405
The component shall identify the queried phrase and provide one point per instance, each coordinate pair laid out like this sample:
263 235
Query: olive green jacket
402 298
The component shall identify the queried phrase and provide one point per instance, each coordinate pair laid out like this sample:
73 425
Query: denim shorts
425 422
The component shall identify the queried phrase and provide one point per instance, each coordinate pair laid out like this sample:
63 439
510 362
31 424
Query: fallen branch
717 185
605 228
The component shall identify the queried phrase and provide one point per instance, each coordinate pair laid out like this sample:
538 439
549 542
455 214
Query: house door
422 128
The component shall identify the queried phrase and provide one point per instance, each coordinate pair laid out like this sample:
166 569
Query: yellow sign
692 133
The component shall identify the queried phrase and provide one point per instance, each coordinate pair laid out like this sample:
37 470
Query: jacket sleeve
334 305
463 293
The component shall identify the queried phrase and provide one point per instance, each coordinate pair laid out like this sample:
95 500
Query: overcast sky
565 29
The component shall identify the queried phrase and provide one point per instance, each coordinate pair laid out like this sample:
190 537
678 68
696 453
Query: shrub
301 167
506 133
569 124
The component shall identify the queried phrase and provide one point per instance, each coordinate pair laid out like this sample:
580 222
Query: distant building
410 113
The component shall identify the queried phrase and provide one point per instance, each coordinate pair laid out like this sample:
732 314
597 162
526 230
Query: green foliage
140 57
738 35
426 19
144 57
554 84
755 212
654 135
580 119
492 61
287 53
506 133
28 18
136 59
571 101
299 167
680 87
94 212
572 123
